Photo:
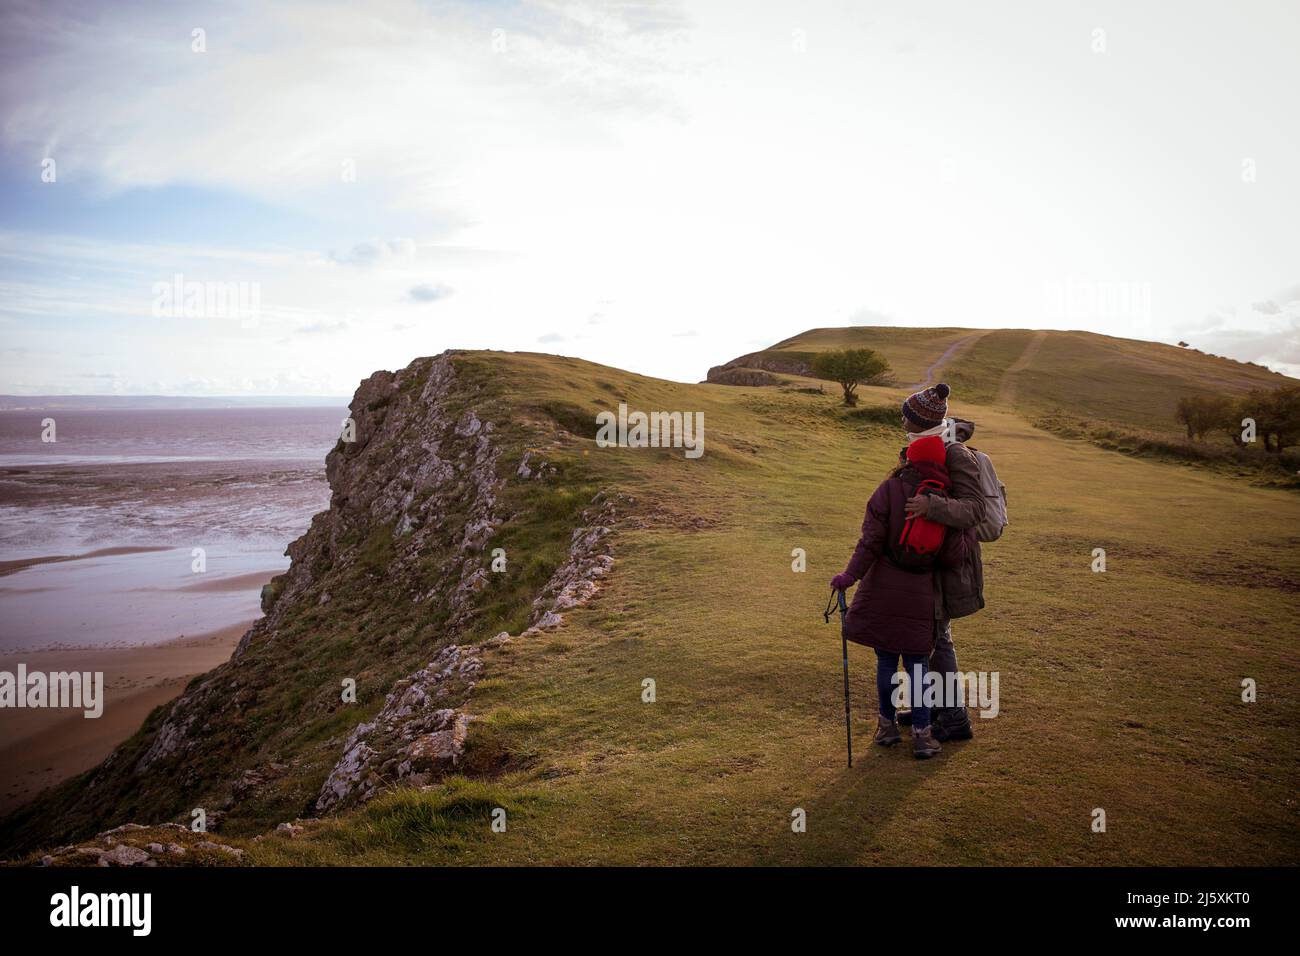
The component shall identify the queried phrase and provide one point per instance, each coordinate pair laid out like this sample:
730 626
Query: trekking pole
838 595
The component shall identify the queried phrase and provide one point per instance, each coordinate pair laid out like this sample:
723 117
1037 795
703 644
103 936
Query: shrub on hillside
1202 413
1275 413
851 368
877 414
1277 470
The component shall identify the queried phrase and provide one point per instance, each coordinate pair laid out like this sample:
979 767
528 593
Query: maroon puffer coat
893 609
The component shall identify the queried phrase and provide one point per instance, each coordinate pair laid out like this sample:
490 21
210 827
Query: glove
842 581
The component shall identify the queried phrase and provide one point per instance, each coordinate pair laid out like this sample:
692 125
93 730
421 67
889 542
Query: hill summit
1082 375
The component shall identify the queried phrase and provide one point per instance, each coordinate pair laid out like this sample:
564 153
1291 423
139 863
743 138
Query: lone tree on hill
851 368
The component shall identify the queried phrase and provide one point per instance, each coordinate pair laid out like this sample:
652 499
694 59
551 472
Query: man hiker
961 588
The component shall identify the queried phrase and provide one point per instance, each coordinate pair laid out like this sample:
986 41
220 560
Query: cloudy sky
658 186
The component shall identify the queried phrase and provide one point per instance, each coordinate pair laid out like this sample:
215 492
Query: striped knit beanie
928 407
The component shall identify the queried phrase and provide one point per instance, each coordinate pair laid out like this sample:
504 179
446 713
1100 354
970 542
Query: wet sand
135 546
126 596
39 748
10 567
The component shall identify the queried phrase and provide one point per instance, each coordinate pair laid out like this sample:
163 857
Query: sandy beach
138 545
39 748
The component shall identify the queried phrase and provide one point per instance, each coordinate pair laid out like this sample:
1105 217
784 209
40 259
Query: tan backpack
995 500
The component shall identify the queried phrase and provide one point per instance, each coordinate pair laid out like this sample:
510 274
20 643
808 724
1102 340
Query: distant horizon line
10 402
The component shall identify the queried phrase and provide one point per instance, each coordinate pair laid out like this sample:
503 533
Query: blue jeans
917 667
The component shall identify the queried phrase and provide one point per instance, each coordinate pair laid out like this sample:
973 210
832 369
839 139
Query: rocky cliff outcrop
133 844
420 732
720 375
758 368
414 738
384 593
414 473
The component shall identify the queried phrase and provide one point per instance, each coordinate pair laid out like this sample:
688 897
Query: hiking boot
952 723
887 732
904 718
923 744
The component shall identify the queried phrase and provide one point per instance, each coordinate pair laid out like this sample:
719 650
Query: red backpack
922 538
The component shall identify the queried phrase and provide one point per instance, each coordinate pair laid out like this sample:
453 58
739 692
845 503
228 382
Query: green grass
1080 375
979 374
452 821
1214 453
1119 690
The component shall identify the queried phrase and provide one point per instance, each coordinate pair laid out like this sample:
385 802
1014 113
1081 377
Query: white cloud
322 326
597 169
428 292
288 98
374 252
1266 332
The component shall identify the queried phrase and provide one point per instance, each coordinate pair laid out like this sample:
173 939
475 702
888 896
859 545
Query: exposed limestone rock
124 828
169 738
220 848
477 581
134 844
469 425
124 855
255 779
549 621
416 459
742 376
575 582
415 737
790 363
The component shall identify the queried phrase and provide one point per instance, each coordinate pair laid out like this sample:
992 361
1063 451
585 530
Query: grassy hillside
1095 377
1081 377
1119 690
